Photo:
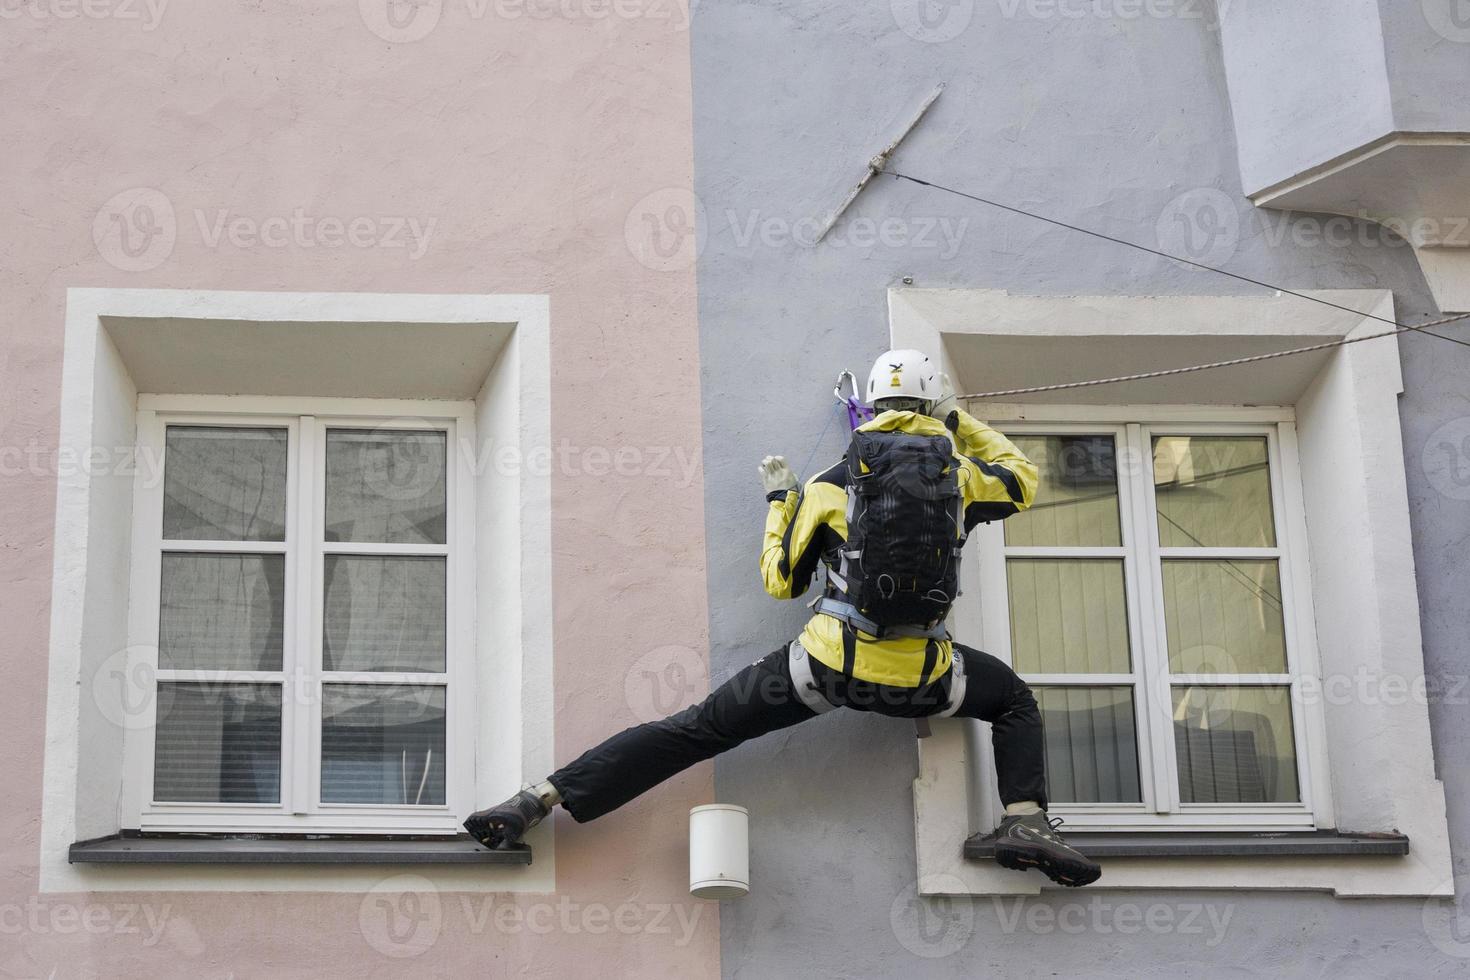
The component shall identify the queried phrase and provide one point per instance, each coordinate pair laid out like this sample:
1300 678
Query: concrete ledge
1191 845
119 849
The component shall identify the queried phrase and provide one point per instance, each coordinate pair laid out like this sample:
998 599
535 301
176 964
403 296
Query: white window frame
1359 570
1133 430
307 421
123 346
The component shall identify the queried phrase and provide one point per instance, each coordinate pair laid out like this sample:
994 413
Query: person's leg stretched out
887 525
757 700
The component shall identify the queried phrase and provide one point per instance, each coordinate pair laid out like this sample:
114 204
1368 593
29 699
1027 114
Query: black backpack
905 528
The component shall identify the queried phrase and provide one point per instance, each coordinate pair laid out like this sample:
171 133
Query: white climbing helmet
904 374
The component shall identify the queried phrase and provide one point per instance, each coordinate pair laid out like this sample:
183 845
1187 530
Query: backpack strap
851 619
931 657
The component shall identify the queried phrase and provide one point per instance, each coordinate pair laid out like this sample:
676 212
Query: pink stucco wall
525 140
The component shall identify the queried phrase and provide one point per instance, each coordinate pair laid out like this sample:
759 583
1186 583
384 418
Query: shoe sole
1072 874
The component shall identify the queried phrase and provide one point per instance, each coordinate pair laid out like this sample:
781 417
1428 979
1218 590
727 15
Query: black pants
762 698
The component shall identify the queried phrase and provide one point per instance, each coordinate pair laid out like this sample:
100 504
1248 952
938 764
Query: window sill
1192 845
133 848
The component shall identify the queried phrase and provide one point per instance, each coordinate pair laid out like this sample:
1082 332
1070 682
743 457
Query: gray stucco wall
1309 81
1314 79
1428 48
1108 122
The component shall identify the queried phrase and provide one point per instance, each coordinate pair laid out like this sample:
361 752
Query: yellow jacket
810 525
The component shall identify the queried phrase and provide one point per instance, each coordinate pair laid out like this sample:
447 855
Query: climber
883 528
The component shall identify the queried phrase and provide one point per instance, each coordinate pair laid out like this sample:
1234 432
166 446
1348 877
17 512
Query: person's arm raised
790 552
999 480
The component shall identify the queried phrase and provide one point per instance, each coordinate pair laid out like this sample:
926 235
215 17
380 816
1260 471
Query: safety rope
1399 328
1167 372
831 417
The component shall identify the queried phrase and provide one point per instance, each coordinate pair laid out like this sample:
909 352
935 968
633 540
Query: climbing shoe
508 822
1030 840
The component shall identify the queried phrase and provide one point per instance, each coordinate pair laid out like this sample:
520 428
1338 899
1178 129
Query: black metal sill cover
132 847
1184 844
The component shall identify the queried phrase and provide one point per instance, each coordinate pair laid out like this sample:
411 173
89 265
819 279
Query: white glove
946 402
776 475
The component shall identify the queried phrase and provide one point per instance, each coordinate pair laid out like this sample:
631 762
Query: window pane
1213 492
218 743
1068 616
1077 500
224 484
222 612
1235 745
382 744
1091 744
386 486
384 614
1224 617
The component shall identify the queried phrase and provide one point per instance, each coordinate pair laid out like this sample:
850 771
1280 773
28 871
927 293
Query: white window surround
481 359
1379 772
984 581
1413 183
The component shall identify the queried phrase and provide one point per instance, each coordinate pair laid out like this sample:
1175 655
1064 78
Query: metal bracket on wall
879 163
